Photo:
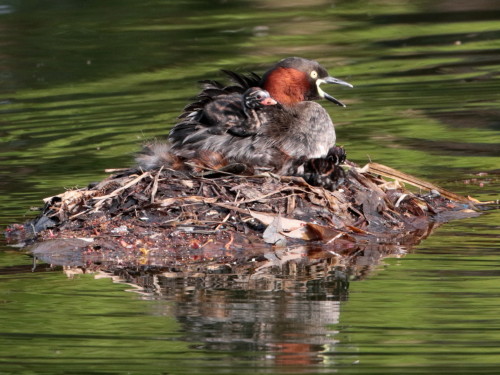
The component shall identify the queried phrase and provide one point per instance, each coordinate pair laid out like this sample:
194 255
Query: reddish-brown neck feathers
287 85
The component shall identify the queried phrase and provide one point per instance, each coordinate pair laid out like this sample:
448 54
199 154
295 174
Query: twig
155 185
115 192
229 214
113 170
412 180
272 193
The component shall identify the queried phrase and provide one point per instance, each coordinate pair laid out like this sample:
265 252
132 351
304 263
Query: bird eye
259 96
314 74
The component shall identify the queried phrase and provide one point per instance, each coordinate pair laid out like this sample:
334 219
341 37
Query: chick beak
268 101
337 81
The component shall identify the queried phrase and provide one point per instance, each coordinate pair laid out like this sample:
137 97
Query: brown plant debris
175 219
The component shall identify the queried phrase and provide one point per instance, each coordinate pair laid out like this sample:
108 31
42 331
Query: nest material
171 218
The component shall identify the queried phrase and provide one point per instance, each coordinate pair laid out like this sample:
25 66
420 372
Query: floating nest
216 222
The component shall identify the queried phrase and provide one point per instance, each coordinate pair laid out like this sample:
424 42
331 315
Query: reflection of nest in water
305 270
227 224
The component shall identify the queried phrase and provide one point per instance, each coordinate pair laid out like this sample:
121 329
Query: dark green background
83 83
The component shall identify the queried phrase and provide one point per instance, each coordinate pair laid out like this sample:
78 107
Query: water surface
83 84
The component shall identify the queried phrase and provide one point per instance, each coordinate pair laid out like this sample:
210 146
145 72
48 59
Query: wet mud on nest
214 222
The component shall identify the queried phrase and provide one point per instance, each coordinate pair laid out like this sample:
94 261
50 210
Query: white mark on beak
319 81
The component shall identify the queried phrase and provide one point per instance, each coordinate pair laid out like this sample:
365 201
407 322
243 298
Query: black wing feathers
245 81
212 89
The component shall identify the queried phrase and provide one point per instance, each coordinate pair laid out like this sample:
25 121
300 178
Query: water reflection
426 102
286 316
284 310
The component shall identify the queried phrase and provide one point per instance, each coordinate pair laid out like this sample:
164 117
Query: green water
82 84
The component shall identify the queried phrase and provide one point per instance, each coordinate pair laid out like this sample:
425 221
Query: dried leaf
273 235
356 229
322 233
291 227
